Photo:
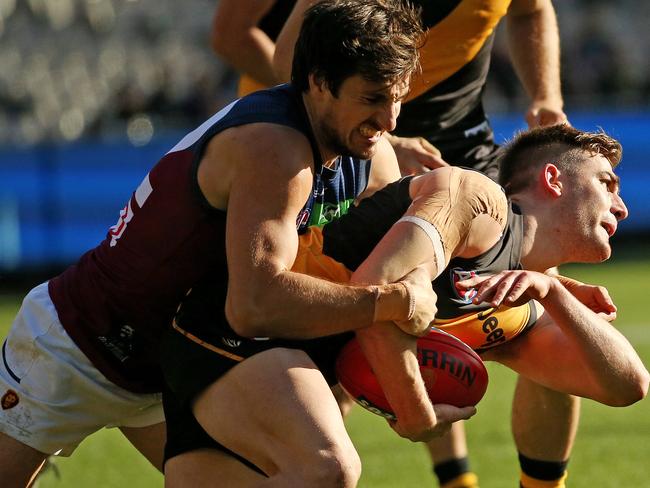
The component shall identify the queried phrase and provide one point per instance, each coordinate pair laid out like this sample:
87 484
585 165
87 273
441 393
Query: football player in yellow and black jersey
563 205
460 228
444 122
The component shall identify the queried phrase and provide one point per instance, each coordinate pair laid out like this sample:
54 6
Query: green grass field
611 450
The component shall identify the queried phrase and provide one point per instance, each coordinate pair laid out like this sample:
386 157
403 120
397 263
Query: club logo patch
231 342
458 274
303 218
9 400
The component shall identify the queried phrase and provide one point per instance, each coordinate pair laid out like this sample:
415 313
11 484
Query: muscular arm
264 297
592 358
534 44
237 39
405 247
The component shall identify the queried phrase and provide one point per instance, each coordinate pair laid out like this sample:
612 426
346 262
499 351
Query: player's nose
618 207
388 114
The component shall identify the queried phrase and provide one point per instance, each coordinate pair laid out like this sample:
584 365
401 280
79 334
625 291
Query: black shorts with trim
196 353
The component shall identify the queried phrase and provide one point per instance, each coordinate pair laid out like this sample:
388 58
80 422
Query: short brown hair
561 144
377 39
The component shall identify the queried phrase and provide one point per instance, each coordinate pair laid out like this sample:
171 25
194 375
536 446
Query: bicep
268 187
404 247
261 237
528 353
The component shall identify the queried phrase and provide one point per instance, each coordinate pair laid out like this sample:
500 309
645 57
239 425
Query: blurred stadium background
93 92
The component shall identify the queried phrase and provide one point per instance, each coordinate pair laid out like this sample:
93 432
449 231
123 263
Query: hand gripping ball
452 372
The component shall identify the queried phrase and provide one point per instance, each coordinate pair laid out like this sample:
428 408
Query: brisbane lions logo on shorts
9 400
458 274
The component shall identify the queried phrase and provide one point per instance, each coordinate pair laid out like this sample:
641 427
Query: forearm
534 45
609 360
283 57
392 356
297 306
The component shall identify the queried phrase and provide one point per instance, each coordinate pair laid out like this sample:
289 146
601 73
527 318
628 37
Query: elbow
223 40
636 389
246 317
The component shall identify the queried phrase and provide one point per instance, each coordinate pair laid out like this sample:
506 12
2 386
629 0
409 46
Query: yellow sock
465 480
528 482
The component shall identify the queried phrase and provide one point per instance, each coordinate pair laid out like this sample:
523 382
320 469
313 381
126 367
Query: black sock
451 469
542 470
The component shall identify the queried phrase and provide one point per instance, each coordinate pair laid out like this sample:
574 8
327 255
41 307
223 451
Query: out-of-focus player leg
19 464
449 455
150 441
544 424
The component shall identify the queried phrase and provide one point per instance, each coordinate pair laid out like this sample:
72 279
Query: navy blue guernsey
334 189
118 299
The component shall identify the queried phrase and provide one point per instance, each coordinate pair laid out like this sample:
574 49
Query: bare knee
336 467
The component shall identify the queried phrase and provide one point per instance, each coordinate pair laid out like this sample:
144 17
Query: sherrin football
452 372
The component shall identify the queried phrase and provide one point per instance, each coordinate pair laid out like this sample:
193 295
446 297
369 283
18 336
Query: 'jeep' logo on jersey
457 275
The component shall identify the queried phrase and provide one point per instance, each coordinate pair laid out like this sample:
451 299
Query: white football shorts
51 395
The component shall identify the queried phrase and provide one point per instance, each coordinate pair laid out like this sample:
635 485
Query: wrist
567 282
548 102
555 287
393 302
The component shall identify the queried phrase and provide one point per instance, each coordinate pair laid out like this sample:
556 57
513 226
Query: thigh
150 441
275 409
52 396
209 468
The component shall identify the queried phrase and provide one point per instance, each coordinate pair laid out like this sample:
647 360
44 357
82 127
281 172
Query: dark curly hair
377 39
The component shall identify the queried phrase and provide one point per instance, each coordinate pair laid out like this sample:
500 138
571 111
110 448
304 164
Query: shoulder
454 179
472 208
244 154
262 144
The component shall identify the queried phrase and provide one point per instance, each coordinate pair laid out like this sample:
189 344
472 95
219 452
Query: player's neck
327 156
539 251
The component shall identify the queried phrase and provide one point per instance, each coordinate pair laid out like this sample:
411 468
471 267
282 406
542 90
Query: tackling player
82 353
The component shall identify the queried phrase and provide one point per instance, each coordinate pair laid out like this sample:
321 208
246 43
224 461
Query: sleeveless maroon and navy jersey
116 301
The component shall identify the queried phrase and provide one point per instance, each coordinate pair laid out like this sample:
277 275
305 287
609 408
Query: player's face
597 209
353 122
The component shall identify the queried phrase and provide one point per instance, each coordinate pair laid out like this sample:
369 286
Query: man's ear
550 180
317 83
